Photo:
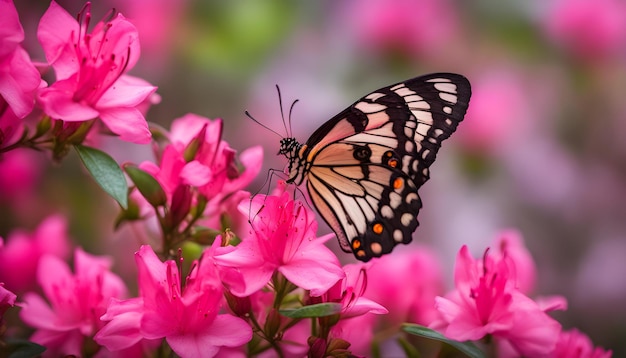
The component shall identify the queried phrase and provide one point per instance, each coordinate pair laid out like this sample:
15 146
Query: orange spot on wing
377 228
397 183
393 163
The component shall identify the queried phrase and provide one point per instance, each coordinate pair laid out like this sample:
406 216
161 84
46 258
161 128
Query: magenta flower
510 246
589 29
224 182
356 323
349 292
282 239
22 252
186 317
90 68
485 130
19 79
574 343
212 169
486 302
410 297
413 27
75 302
20 171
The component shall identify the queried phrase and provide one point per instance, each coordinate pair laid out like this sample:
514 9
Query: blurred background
542 148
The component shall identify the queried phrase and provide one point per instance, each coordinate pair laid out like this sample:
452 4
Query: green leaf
147 185
18 348
106 172
316 310
467 348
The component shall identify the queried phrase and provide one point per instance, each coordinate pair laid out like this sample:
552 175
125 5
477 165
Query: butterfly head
290 148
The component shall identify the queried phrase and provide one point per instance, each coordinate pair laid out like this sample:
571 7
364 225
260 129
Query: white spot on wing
413 99
386 212
404 92
448 97
370 107
395 200
397 235
447 110
406 219
374 96
410 197
446 87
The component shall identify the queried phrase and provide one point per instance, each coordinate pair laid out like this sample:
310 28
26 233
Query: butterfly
363 167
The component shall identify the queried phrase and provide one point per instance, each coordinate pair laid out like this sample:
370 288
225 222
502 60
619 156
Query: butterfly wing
368 162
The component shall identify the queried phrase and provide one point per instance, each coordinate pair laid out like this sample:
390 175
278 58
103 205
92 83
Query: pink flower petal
128 123
11 32
123 329
57 102
54 274
362 306
250 264
226 330
19 79
185 128
55 32
195 173
314 273
252 161
37 313
128 91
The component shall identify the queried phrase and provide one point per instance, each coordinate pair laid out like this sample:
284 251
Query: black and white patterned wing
368 162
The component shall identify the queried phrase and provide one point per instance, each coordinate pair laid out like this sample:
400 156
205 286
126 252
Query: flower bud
147 185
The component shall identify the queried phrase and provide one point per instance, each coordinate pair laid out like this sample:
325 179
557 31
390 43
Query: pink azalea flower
356 323
410 297
186 317
22 252
20 171
282 239
575 344
485 302
510 246
75 302
485 129
19 79
91 72
349 292
589 29
212 170
408 26
217 159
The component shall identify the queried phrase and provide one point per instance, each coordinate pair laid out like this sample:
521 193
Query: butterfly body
363 168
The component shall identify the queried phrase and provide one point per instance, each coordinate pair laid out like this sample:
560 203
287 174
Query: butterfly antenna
282 112
290 111
262 125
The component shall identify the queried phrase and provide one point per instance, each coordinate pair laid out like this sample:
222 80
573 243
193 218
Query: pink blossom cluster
197 171
230 301
91 82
